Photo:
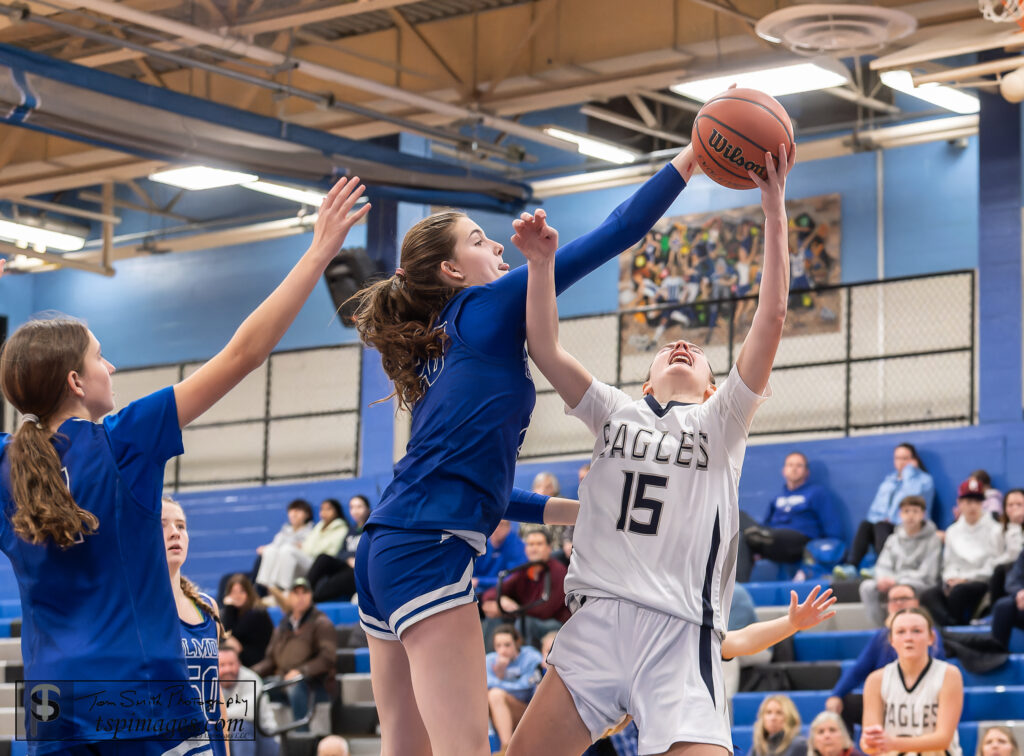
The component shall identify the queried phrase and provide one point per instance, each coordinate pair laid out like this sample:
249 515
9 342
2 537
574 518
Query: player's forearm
559 511
756 637
773 294
569 378
933 741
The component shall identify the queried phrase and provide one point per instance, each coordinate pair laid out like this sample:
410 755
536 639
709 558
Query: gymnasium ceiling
467 73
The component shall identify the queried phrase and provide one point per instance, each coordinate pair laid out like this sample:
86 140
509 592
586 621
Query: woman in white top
913 704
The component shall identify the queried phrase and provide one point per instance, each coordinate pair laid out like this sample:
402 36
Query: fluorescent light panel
778 80
197 177
935 93
293 193
40 239
594 147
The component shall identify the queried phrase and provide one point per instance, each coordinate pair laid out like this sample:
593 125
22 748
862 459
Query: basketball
734 130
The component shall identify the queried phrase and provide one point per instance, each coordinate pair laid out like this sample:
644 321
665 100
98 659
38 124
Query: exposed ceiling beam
74 212
66 262
727 10
542 11
631 123
673 101
291 20
27 179
860 99
401 23
238 46
649 119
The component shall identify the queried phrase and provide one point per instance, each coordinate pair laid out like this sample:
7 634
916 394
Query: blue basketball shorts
404 576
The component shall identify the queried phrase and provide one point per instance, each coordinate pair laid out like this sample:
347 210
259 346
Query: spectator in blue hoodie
511 680
802 512
505 550
879 652
910 478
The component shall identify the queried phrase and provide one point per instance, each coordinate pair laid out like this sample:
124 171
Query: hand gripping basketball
733 132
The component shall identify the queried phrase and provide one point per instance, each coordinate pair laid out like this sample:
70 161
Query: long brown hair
34 368
790 727
397 316
252 599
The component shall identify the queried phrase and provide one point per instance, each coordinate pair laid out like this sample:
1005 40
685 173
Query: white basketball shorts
617 658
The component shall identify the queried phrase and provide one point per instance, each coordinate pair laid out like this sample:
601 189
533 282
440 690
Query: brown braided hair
34 368
398 315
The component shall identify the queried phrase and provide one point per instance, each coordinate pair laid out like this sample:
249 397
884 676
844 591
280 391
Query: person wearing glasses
875 655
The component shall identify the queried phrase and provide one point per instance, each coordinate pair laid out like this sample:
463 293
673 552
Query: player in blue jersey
80 517
449 325
200 629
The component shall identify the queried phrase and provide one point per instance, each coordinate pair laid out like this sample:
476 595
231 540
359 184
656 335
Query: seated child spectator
879 652
801 512
829 737
777 729
908 479
912 556
505 550
511 679
993 503
527 586
247 626
281 565
974 545
1012 520
298 526
333 575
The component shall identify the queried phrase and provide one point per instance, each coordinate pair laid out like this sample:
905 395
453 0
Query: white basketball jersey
914 711
659 512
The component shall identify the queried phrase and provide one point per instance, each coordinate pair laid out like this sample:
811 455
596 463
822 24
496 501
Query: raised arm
758 636
261 331
754 363
538 242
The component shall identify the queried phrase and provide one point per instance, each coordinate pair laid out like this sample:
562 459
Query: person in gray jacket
911 556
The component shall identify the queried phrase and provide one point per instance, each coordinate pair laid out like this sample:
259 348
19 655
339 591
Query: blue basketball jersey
471 421
199 647
100 635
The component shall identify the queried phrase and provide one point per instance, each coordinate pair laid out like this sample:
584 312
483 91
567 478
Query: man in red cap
974 544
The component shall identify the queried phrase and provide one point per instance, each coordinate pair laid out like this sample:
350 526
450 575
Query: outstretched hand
336 215
773 191
534 237
813 610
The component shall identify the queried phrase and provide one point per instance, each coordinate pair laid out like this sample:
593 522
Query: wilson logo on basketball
734 154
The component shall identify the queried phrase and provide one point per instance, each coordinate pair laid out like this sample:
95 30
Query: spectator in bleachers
332 575
568 531
546 484
281 565
247 625
1008 611
240 688
298 526
801 512
545 648
913 704
1012 520
526 587
333 745
879 652
993 503
910 478
505 550
998 740
511 680
973 547
912 555
828 736
777 729
304 644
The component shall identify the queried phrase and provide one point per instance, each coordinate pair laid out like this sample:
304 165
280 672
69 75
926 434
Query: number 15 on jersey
635 497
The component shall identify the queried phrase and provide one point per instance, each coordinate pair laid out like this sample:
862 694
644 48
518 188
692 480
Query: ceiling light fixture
198 177
293 193
776 80
42 236
935 93
594 147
